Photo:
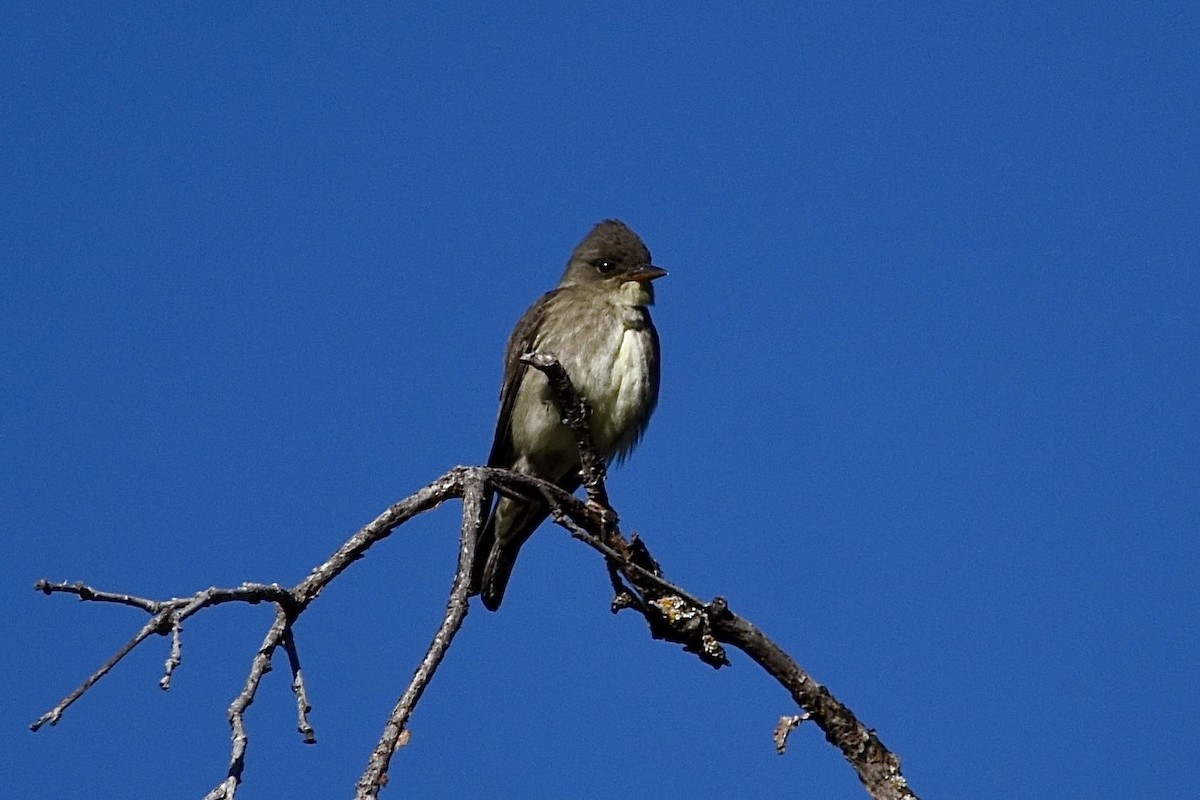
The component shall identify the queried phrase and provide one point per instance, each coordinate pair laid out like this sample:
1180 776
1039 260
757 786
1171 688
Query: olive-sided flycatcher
597 323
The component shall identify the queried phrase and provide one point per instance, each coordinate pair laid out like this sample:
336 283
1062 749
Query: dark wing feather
523 340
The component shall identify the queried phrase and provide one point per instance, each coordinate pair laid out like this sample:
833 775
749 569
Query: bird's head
611 254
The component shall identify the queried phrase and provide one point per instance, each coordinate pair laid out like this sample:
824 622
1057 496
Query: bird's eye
606 267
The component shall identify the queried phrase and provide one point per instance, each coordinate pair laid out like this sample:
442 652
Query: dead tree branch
375 776
701 628
671 613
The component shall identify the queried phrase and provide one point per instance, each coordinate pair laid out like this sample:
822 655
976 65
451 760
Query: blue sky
930 384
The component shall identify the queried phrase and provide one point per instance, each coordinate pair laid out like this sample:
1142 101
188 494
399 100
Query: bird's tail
496 572
498 546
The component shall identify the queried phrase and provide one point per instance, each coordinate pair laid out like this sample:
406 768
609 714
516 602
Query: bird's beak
645 273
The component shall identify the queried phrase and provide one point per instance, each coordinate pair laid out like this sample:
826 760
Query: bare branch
444 488
299 688
259 667
175 658
877 767
375 776
671 613
86 592
55 714
675 616
168 616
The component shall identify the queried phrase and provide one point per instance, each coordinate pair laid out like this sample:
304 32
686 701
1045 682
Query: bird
596 322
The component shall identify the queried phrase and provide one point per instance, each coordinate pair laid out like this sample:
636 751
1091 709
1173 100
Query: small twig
784 729
299 688
394 732
622 597
55 714
175 658
575 415
877 767
85 593
259 666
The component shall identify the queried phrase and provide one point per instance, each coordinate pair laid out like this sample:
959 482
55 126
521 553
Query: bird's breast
618 386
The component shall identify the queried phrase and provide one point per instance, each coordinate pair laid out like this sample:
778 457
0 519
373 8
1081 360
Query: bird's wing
524 340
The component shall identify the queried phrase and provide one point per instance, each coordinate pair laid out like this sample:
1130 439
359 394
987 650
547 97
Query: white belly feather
628 395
